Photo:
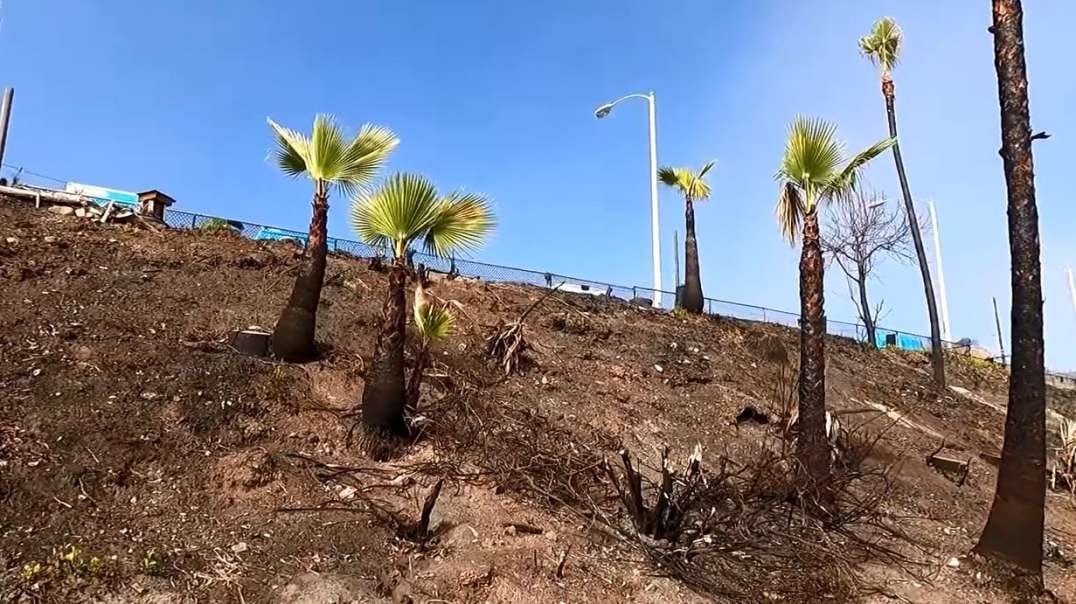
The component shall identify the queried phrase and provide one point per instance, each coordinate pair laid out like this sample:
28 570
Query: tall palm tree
693 186
433 323
813 171
882 47
1014 529
406 209
331 161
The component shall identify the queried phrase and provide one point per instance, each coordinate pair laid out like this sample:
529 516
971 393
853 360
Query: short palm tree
693 186
882 47
434 322
332 162
404 210
813 171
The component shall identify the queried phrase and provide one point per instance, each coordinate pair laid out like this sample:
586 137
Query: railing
507 274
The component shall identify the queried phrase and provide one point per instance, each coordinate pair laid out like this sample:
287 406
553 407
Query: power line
23 170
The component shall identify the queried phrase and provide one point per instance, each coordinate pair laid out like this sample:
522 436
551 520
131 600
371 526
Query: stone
61 210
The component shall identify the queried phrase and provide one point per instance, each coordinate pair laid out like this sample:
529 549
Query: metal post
1072 290
654 201
193 218
947 330
676 262
997 321
5 119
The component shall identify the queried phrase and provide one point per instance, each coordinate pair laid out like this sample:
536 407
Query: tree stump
253 342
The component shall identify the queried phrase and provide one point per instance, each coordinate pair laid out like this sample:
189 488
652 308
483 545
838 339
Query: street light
606 109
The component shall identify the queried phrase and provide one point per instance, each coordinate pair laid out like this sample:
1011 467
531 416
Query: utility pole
5 119
997 321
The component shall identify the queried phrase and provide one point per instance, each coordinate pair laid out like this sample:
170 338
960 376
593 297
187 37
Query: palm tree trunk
937 354
384 398
1014 529
692 299
293 337
864 305
812 447
422 358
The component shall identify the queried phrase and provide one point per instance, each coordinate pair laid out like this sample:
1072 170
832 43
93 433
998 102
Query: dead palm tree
404 210
882 47
1014 529
814 171
693 186
331 162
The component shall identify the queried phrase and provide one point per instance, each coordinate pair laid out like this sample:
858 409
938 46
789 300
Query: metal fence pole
193 218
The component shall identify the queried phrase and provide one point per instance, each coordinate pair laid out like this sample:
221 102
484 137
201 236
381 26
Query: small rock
240 547
80 212
12 240
953 562
149 396
49 239
61 210
659 368
348 493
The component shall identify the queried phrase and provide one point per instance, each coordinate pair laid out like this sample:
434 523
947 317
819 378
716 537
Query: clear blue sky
497 97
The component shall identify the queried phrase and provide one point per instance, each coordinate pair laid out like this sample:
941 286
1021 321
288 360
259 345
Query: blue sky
497 97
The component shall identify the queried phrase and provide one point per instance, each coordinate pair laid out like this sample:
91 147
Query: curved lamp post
603 111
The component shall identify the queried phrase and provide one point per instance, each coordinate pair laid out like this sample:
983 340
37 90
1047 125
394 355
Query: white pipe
947 330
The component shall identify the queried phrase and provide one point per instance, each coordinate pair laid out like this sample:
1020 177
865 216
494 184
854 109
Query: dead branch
507 343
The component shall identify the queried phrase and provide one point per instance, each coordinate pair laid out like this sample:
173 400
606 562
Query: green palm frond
462 221
691 184
328 157
292 149
814 169
407 208
364 156
882 44
845 183
397 212
434 322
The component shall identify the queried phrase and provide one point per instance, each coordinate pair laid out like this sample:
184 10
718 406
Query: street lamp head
603 110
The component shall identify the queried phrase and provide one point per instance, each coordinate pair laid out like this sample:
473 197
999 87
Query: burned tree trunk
812 448
1014 529
293 337
384 398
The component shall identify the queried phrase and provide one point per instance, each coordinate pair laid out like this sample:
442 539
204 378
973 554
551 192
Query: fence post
193 218
634 294
709 306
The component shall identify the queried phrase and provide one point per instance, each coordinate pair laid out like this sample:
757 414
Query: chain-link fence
507 274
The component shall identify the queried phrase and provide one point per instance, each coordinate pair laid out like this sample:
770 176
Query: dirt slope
140 461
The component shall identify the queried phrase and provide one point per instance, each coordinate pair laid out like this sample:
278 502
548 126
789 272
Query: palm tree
693 186
405 209
814 170
882 47
330 161
433 323
1014 529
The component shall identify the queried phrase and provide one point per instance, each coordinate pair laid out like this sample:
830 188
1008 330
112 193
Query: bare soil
141 460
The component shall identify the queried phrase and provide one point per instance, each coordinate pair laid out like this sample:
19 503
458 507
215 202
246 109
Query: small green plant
31 571
151 564
217 225
679 313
